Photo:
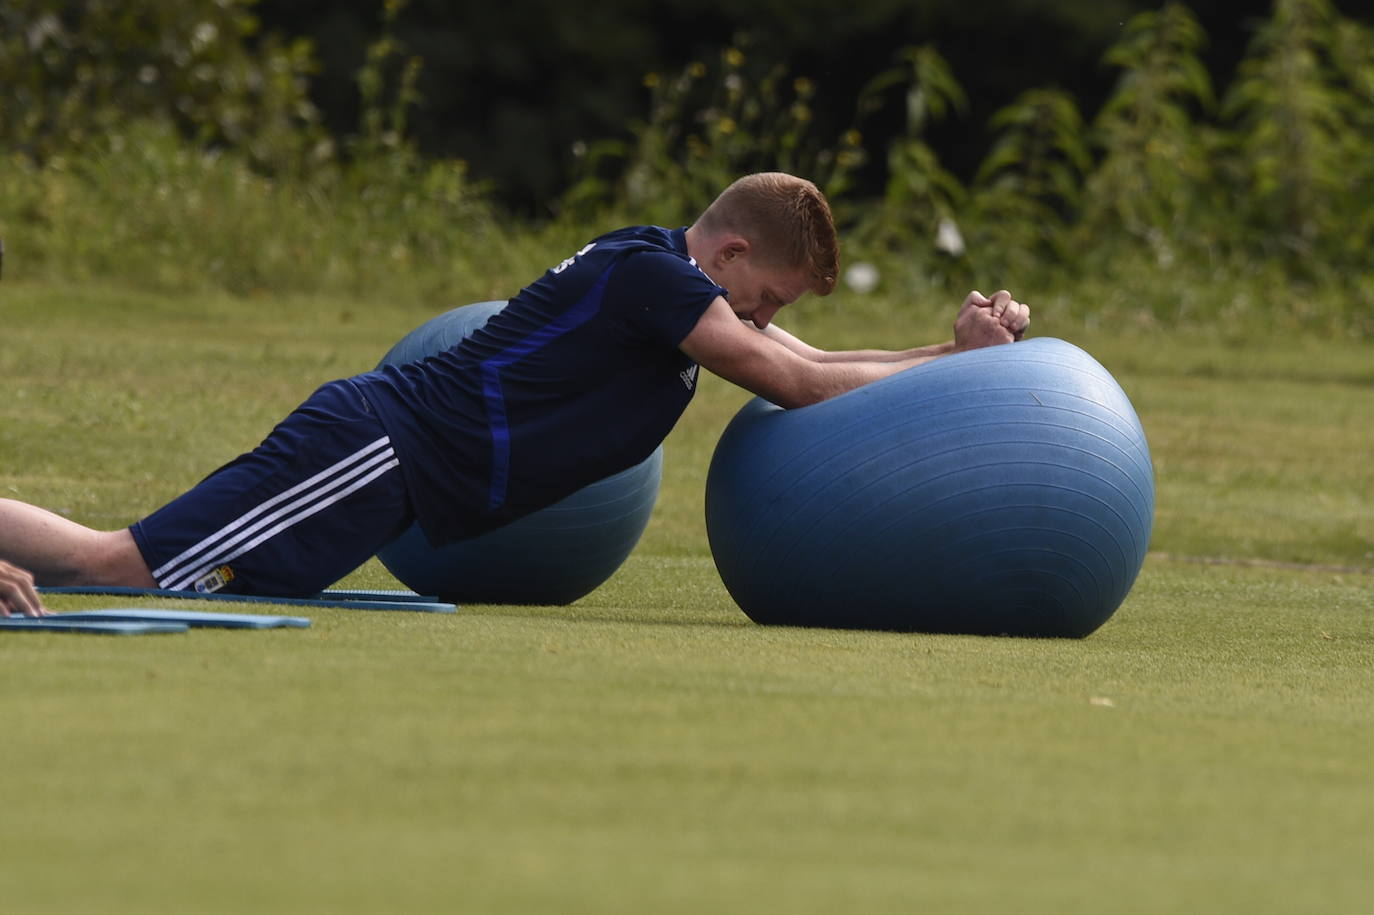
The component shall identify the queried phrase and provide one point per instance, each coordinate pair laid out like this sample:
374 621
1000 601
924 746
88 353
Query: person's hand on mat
977 325
18 594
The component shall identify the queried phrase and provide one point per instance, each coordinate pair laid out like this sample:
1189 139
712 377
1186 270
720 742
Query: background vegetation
187 145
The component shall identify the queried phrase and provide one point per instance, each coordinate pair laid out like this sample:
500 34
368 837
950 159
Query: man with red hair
581 375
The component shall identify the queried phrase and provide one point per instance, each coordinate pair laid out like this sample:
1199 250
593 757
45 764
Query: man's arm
1013 315
807 351
782 369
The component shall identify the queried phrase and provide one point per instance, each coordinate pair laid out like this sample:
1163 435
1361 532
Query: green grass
649 749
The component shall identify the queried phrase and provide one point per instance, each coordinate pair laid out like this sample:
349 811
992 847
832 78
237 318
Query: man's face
757 292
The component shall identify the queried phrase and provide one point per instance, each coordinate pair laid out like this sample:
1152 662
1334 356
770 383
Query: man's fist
984 321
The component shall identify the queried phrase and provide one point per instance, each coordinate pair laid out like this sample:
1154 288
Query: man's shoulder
644 236
640 241
651 255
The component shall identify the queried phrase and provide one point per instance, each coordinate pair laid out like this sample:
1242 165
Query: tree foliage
708 124
1299 114
1028 189
1169 165
1155 173
72 72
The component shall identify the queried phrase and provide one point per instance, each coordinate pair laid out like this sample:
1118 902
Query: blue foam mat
412 604
192 618
94 627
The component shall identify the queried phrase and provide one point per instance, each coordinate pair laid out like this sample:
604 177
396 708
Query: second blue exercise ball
553 556
1006 490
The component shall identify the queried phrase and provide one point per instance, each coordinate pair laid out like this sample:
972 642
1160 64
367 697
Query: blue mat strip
323 601
96 627
192 618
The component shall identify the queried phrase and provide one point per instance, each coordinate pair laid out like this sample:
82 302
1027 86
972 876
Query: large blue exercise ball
1006 490
553 556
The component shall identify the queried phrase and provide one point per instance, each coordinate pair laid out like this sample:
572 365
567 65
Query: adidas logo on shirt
689 377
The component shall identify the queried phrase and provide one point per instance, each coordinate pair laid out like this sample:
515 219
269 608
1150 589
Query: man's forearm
811 382
814 354
881 355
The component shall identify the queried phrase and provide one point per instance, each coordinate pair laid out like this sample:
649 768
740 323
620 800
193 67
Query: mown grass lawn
649 749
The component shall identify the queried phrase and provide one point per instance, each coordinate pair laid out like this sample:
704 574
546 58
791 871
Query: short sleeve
661 295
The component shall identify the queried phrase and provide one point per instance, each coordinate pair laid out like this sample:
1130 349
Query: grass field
648 749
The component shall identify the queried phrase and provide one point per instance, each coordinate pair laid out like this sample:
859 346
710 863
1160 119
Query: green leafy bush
173 145
72 72
1155 178
144 203
707 125
1299 113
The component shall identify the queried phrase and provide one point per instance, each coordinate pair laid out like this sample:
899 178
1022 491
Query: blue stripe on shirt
582 312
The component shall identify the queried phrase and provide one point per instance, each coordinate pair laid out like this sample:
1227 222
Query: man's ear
733 248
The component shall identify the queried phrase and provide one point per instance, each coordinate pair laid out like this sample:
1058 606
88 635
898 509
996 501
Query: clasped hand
984 321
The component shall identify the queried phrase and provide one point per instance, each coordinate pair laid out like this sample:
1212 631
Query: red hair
785 217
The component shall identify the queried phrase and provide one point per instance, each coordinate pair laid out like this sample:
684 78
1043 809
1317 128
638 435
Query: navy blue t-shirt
577 378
